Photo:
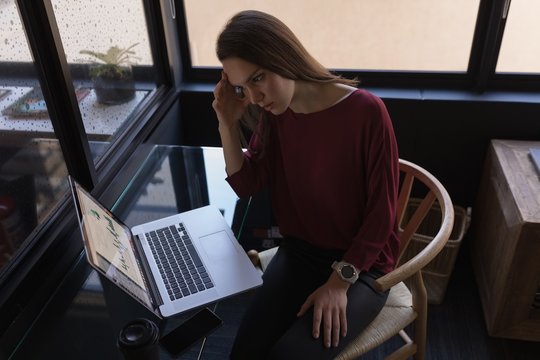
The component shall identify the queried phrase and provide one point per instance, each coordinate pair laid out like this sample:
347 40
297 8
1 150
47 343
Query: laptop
169 265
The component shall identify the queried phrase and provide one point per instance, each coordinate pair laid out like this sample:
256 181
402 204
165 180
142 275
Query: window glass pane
32 168
520 48
416 35
106 42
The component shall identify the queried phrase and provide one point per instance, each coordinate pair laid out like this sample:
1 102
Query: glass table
84 317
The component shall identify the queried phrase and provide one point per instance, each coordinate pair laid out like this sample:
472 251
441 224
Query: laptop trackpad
218 246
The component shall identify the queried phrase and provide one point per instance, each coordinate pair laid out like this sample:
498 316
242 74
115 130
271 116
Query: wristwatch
346 271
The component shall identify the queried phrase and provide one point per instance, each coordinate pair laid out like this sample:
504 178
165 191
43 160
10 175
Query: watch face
347 271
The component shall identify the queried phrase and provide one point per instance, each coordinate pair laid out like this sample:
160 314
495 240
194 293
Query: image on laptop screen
110 248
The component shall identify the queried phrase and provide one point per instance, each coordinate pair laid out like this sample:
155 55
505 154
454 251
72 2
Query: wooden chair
407 300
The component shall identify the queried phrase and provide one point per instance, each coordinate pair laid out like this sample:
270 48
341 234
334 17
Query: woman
328 153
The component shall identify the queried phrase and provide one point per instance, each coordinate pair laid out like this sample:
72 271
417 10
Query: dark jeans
270 328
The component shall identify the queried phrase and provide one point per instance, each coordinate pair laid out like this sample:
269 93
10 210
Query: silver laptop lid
109 246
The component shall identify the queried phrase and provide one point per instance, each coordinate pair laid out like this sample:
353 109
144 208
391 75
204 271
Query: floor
456 328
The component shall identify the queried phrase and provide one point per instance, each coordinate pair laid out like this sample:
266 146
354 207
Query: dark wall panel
450 138
200 125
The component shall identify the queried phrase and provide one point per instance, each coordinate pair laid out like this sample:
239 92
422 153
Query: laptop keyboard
179 264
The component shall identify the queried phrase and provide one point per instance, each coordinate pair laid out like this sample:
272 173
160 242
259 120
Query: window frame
479 77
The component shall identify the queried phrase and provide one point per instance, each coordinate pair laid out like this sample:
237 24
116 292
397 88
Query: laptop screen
109 246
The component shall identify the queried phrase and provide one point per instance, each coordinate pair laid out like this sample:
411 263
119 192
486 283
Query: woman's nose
255 96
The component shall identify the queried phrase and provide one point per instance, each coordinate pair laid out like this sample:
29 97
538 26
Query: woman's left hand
329 310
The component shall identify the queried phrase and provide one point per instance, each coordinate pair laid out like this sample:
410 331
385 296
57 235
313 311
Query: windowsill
423 94
100 121
458 95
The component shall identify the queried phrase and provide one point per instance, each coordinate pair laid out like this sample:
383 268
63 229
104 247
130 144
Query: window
520 48
111 39
391 43
415 35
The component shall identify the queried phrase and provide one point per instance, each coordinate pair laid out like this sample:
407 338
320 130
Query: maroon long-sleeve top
333 176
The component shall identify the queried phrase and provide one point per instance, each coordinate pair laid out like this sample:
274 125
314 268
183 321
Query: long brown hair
264 40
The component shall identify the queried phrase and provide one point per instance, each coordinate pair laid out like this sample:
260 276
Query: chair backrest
413 175
424 186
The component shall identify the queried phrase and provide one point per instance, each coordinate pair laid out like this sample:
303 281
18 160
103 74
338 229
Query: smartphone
190 331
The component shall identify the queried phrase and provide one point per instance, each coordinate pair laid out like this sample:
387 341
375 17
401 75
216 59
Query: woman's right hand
229 108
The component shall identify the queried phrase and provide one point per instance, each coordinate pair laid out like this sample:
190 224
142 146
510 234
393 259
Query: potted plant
112 75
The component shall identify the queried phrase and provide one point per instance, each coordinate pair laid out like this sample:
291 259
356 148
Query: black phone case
190 331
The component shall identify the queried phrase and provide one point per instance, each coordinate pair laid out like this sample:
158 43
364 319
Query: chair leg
404 352
420 325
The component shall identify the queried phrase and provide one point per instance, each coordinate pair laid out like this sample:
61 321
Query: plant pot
113 88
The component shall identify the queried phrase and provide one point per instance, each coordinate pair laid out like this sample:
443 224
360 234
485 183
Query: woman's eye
258 78
239 92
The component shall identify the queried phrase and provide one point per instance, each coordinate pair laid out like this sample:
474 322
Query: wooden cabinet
506 241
